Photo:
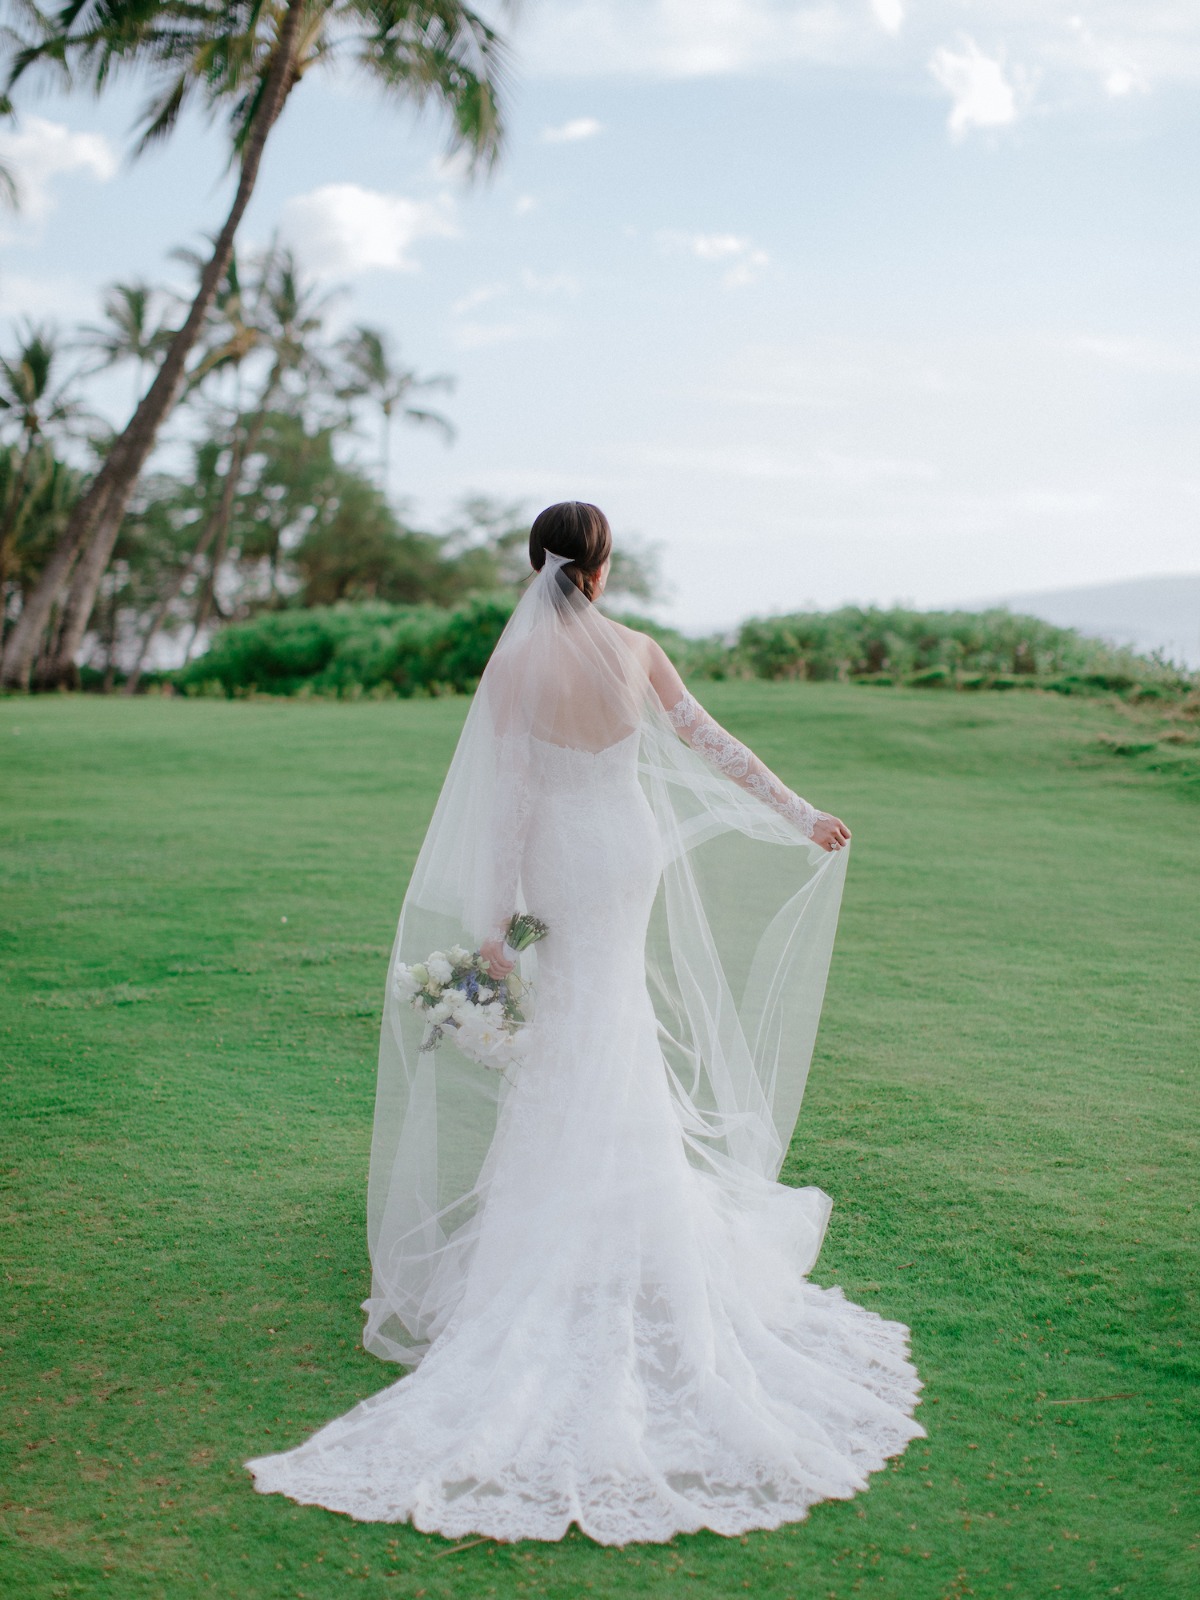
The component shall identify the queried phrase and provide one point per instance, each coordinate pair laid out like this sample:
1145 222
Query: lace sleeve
721 750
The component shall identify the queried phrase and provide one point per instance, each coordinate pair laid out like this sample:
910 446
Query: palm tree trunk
27 640
12 512
244 447
96 520
208 589
217 523
110 643
165 604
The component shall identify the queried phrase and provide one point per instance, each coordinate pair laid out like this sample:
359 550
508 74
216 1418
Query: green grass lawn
196 904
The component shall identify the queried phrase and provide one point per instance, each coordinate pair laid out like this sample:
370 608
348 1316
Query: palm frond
434 53
161 114
431 419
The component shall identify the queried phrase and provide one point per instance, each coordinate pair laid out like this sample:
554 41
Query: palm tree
372 373
278 314
51 490
284 319
244 58
29 397
129 332
163 525
229 334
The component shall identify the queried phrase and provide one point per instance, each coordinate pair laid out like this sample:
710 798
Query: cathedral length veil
590 1258
736 956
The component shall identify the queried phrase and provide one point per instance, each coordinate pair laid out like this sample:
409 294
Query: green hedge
380 649
929 647
948 649
348 650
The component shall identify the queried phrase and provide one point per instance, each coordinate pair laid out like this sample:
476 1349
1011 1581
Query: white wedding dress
616 1331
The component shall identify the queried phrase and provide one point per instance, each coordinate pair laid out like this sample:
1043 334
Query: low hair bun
579 533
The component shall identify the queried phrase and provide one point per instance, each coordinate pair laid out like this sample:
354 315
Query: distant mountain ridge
1146 614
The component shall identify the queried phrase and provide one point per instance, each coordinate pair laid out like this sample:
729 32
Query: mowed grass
197 904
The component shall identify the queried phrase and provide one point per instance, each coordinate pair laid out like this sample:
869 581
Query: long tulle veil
737 951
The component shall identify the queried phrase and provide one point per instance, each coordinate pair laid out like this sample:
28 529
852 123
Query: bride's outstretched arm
721 750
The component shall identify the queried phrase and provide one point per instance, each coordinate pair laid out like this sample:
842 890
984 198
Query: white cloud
744 260
39 151
688 38
717 246
976 83
1112 62
1122 45
523 205
344 228
572 132
515 320
889 14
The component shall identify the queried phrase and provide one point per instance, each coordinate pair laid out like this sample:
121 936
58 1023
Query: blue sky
836 301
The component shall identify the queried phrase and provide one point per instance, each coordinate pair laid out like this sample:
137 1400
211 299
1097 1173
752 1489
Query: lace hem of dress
623 1495
721 750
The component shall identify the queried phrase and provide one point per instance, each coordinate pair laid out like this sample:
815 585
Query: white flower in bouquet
488 1038
440 970
403 981
420 974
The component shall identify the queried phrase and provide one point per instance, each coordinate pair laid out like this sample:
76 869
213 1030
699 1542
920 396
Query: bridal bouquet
453 991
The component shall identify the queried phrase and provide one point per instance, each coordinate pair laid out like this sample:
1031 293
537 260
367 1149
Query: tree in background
315 530
283 321
155 554
131 332
267 509
242 58
373 373
48 492
32 400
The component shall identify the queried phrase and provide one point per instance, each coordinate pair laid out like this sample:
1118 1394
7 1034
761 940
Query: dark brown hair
577 530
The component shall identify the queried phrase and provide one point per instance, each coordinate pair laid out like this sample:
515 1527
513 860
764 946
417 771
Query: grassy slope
1003 1107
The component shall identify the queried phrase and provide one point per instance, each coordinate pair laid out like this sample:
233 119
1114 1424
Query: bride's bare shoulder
647 649
655 663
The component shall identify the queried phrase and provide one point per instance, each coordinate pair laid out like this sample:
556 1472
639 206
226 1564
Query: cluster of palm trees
268 396
37 490
240 60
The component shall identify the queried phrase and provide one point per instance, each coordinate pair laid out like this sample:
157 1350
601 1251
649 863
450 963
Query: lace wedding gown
623 1336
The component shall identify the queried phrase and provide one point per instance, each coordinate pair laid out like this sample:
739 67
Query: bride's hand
831 833
494 959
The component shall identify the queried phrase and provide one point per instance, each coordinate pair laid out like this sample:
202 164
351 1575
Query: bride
586 1255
